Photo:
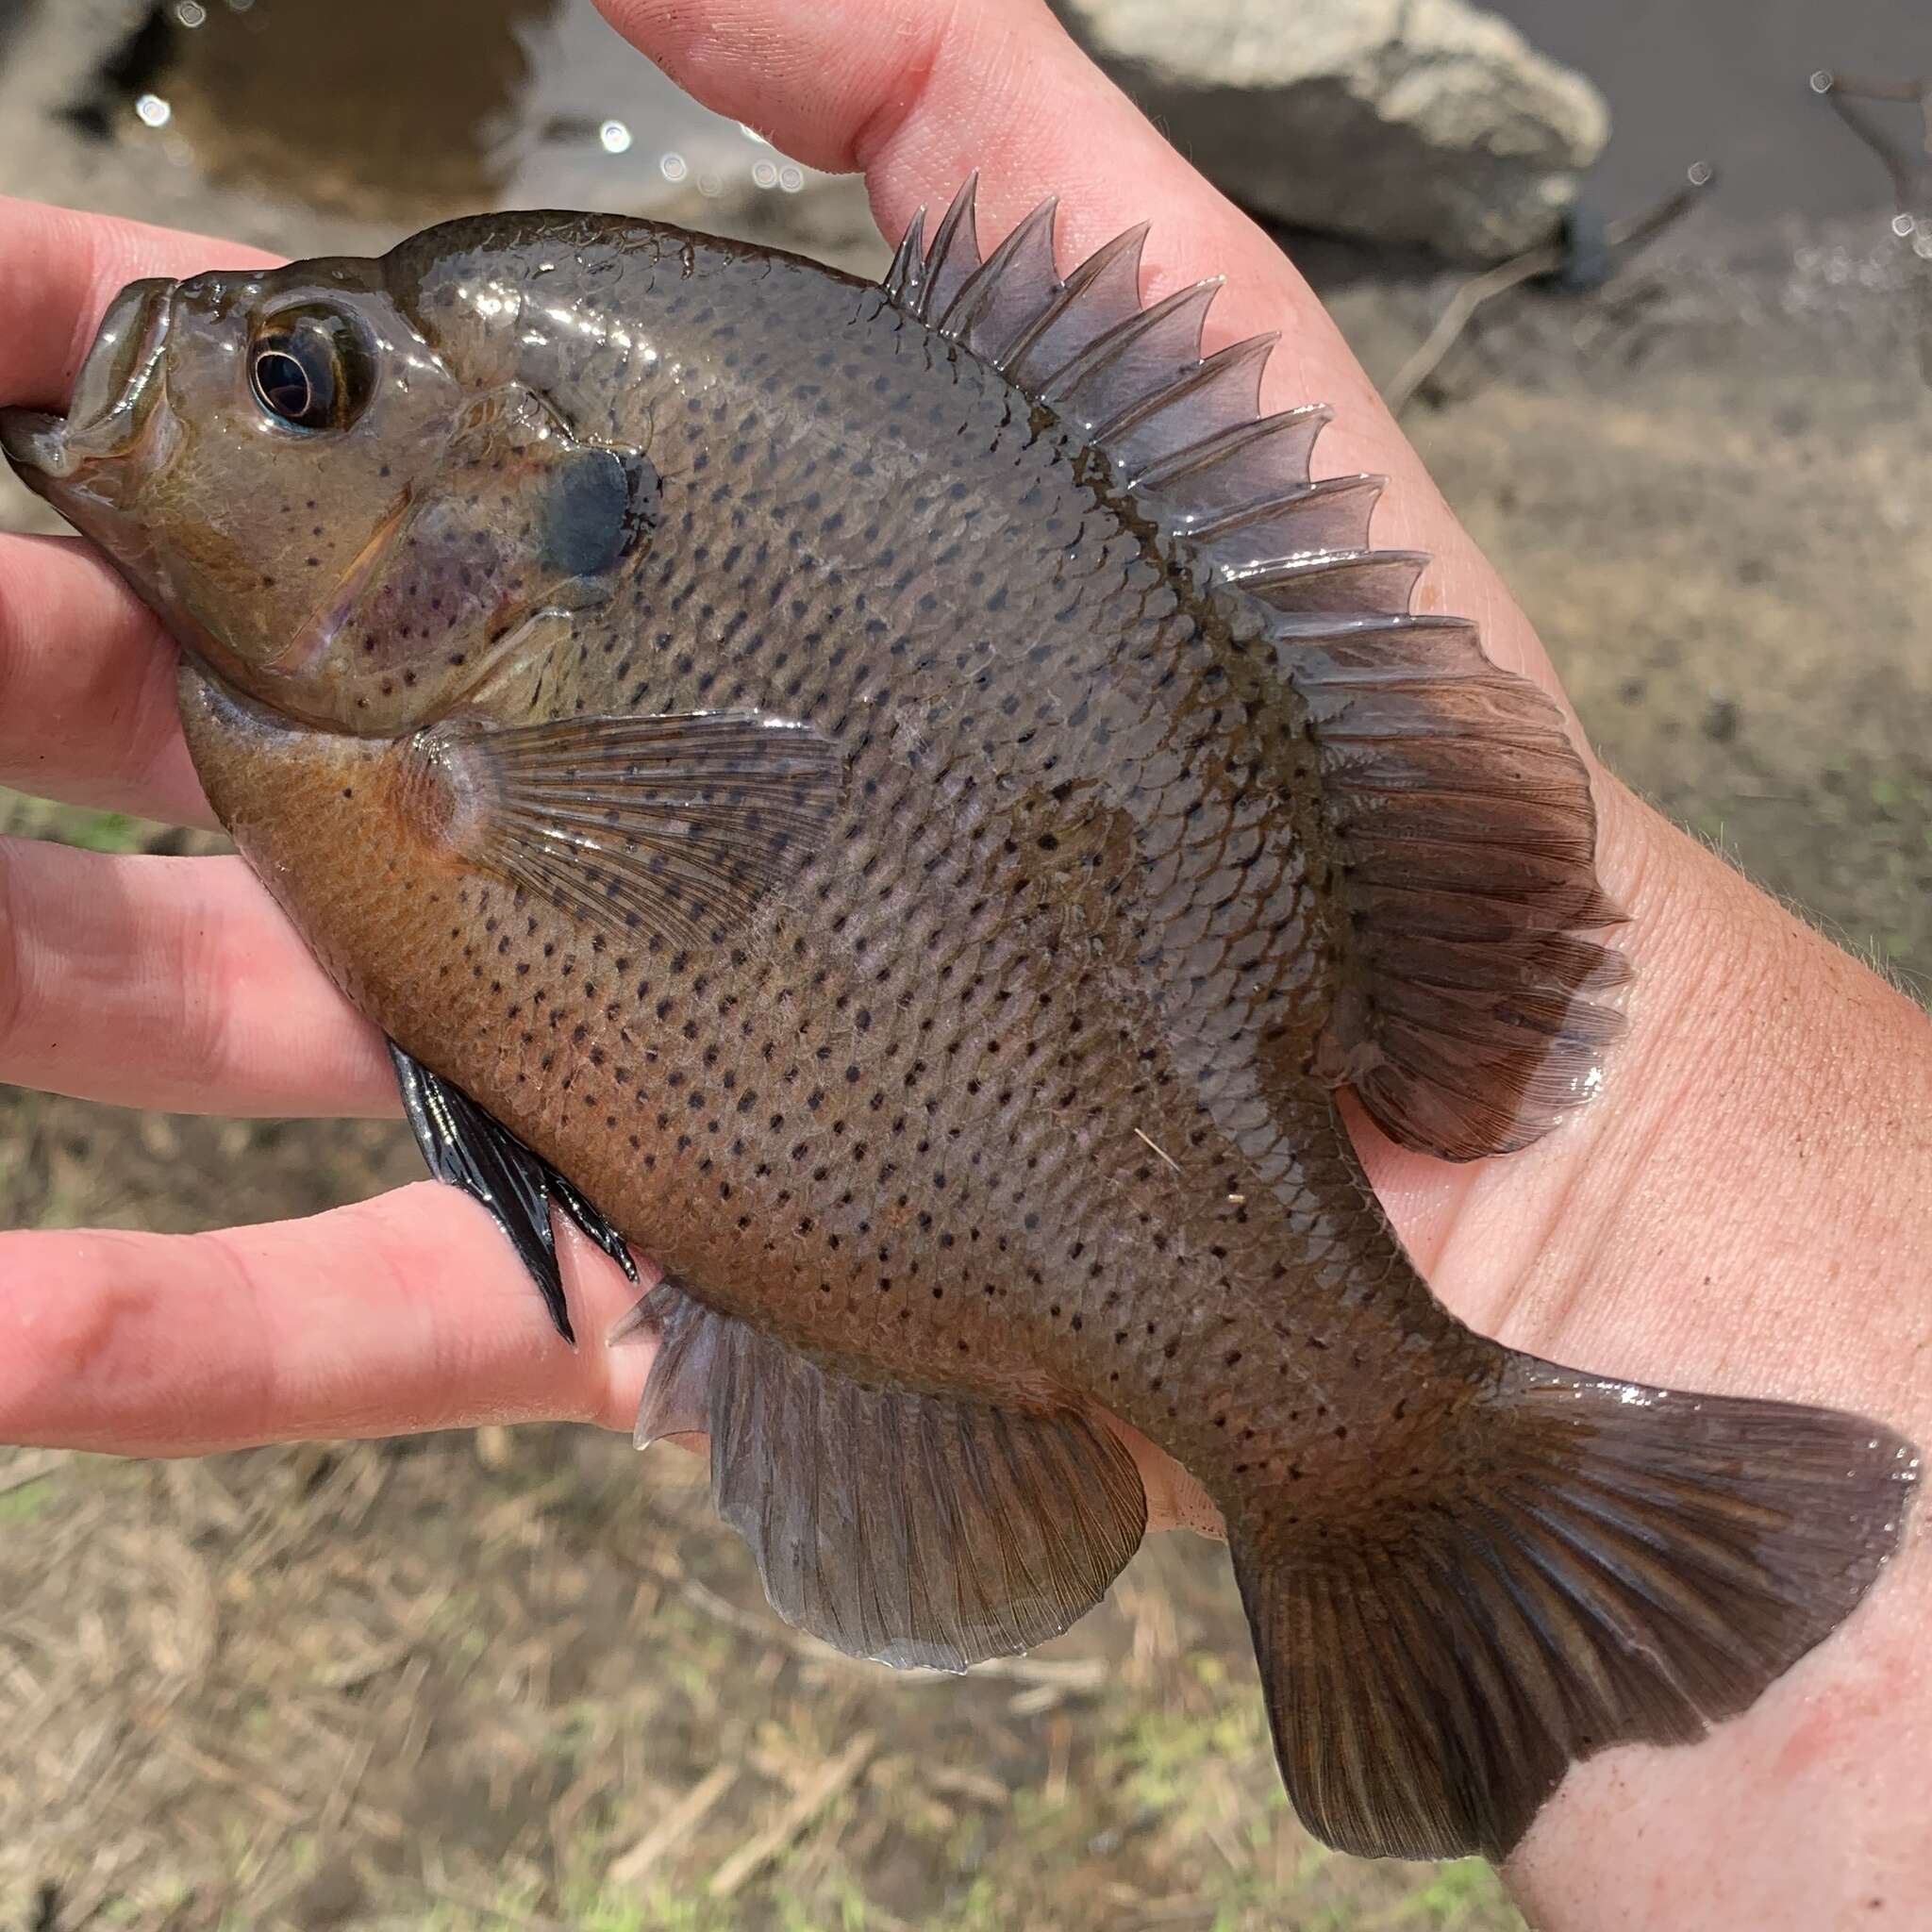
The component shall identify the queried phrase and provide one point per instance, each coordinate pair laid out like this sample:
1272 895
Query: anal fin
473 1150
913 1530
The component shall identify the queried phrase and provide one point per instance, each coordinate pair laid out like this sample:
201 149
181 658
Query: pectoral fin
676 825
474 1151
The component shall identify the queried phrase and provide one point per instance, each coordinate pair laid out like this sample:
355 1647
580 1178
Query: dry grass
494 1682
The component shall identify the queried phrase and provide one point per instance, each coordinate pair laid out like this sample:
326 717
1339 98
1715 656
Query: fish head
315 500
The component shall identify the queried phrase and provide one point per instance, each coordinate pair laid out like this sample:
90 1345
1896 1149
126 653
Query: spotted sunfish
908 803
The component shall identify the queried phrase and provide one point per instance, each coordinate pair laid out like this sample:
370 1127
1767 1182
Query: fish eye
312 369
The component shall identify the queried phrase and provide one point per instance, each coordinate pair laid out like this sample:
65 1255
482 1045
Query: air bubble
614 137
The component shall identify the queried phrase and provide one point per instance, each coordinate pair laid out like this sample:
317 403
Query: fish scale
906 803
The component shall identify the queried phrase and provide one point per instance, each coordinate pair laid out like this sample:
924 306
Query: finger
917 95
397 1315
403 1313
58 271
81 667
87 688
171 983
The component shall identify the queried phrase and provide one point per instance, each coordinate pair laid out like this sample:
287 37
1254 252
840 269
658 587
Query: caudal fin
1618 1565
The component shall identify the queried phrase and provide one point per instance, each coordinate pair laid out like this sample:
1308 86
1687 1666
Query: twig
836 1777
1633 231
959 1782
1911 177
29 1466
1158 1149
678 1822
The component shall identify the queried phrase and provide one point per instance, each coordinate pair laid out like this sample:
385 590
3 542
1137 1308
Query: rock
1407 120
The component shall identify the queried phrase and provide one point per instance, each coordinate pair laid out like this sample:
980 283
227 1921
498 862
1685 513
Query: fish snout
114 395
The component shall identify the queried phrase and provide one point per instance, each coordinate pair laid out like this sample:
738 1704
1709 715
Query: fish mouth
113 395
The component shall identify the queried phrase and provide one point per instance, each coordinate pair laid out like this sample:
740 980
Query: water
371 111
387 113
1729 81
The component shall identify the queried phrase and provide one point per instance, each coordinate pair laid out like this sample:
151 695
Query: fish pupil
288 388
313 367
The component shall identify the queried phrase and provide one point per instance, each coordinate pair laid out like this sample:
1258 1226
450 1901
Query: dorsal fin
1182 431
1462 811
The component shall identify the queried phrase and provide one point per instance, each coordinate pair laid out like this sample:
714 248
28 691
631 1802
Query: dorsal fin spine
954 251
966 312
1106 350
1211 449
1212 529
1238 367
908 258
1076 288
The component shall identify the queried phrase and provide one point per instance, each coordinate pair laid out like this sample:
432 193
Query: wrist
1747 1209
1737 1209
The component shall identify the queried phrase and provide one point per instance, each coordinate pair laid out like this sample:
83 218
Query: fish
911 802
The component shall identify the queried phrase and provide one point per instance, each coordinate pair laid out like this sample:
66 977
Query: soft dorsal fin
1462 811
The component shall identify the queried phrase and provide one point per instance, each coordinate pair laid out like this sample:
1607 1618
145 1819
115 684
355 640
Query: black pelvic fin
474 1151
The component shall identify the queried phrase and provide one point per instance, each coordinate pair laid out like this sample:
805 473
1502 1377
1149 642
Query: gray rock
1413 120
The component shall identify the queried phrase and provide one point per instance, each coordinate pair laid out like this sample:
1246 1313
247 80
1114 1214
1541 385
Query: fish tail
1605 1564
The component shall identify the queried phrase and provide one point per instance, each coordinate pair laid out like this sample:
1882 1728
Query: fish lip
34 441
113 395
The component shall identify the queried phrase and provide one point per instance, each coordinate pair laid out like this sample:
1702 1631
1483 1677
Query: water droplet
154 111
674 167
711 185
791 178
1823 81
191 13
764 174
1903 226
615 138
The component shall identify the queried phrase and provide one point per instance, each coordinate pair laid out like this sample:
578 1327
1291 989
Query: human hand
176 983
1647 1237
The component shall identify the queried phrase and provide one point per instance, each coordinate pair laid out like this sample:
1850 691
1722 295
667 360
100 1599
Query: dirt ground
493 1681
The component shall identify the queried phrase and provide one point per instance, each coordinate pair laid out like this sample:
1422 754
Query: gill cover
514 523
